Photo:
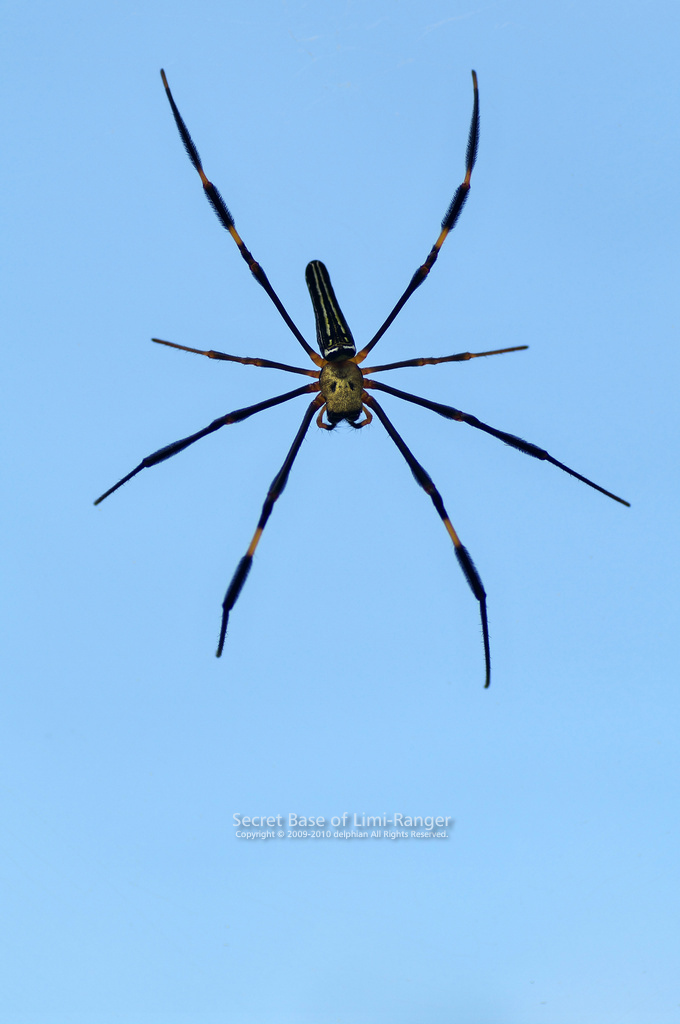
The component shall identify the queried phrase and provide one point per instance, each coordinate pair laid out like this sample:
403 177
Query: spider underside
340 386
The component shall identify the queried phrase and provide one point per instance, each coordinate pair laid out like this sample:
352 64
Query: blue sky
352 680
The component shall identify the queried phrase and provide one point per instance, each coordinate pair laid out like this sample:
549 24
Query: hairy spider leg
232 417
227 221
274 492
246 360
448 223
449 413
433 360
464 560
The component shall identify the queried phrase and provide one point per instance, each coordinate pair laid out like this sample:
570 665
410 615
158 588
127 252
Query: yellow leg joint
254 542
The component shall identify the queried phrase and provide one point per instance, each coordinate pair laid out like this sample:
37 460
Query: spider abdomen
333 335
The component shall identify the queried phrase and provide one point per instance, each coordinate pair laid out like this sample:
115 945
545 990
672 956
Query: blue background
353 674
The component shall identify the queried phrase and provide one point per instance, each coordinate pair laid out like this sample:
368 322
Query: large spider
340 387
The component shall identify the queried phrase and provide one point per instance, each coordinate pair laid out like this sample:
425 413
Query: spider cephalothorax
342 387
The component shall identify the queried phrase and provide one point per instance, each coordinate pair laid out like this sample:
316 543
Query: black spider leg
464 560
449 413
448 223
232 417
274 492
220 207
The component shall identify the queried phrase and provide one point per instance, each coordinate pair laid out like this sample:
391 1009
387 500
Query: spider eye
333 386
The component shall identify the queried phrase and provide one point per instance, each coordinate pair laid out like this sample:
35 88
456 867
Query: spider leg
357 426
448 223
232 417
459 358
368 418
274 492
320 422
246 360
227 221
450 413
464 560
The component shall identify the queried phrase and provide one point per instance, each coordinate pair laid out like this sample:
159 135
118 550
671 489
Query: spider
342 390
